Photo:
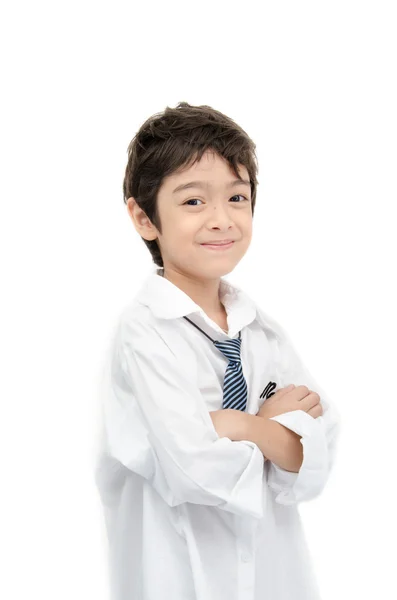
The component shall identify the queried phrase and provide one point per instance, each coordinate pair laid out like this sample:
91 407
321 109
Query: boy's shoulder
135 318
269 323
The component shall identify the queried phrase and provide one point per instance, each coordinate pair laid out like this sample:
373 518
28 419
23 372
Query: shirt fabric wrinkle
190 515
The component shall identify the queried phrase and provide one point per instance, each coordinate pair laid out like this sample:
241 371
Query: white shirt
190 515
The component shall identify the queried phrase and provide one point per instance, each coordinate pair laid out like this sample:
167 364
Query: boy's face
211 210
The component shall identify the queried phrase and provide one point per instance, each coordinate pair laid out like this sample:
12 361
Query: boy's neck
204 295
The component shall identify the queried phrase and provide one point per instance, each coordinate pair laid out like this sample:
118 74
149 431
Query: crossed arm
277 443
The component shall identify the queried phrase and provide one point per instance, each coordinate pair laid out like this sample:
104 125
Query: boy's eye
194 199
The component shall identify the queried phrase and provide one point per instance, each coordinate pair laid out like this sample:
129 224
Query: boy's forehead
208 171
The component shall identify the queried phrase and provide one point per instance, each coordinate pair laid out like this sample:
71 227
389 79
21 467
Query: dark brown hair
173 139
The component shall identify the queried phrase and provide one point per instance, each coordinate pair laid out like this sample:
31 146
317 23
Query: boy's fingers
311 400
286 389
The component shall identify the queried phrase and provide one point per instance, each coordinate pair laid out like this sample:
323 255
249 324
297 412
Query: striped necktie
234 385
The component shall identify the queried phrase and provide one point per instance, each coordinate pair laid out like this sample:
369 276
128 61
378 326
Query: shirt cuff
313 473
247 495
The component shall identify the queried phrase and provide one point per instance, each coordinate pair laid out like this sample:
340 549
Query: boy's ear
141 222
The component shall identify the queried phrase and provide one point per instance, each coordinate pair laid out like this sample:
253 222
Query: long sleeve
319 435
158 426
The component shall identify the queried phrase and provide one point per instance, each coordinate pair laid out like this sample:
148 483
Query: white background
314 84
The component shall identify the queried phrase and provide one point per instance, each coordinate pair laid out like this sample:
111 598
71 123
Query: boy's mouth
219 245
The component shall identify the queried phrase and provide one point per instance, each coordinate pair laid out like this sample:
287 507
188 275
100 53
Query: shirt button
245 557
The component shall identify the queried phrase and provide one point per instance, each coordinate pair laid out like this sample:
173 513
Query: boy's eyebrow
201 184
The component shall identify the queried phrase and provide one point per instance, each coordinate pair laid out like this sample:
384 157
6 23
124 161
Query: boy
214 430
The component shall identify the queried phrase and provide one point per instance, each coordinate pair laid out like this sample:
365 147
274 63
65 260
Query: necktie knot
230 349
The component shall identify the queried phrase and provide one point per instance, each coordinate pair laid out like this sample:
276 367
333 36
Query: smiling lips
218 243
219 246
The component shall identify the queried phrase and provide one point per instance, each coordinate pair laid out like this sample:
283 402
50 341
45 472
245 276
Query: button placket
246 558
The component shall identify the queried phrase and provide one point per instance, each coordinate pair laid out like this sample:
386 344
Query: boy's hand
291 398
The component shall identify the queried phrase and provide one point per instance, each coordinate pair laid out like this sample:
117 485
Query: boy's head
184 144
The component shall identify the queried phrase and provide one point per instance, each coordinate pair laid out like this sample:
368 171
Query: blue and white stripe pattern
234 385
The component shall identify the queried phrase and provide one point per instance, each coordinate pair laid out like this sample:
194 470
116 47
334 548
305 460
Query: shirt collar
167 301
